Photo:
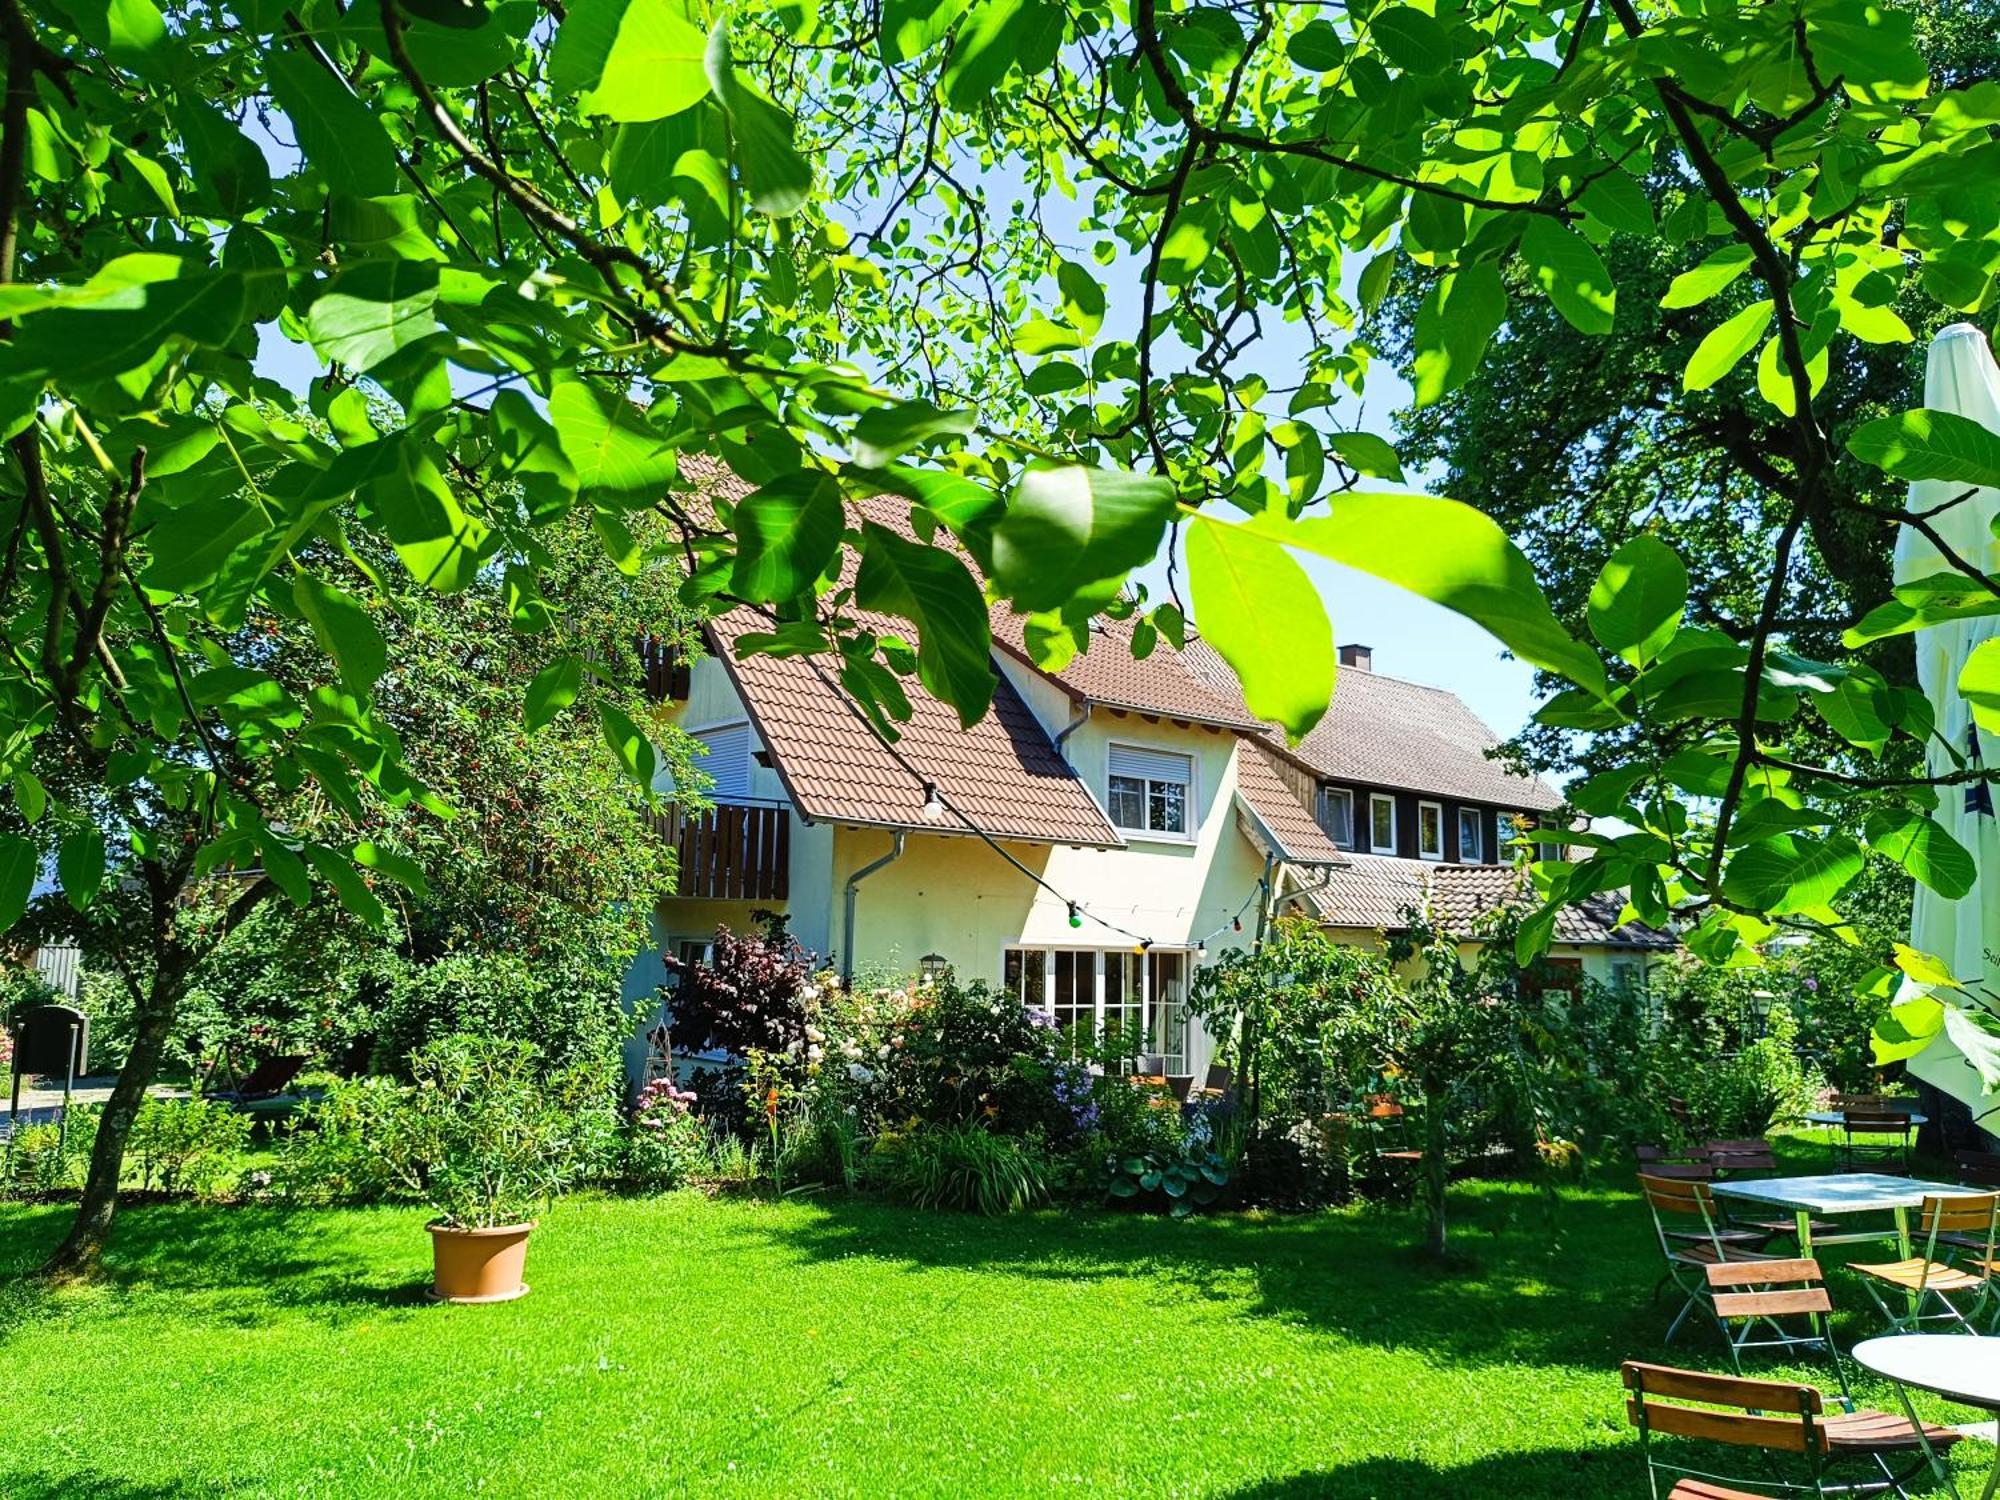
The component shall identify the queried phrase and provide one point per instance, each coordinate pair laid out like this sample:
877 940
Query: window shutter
1152 765
728 761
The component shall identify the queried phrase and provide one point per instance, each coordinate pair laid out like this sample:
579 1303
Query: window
1382 824
1430 831
1149 790
1336 814
726 757
1469 839
1092 992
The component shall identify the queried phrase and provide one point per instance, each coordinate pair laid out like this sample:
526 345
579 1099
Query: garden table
1839 1117
1960 1367
1838 1193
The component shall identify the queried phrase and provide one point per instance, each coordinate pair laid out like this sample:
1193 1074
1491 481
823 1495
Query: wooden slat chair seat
1778 1305
1389 1133
1692 1238
1956 1283
1776 1417
1875 1140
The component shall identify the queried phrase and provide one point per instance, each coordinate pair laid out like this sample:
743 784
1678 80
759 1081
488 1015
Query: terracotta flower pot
479 1265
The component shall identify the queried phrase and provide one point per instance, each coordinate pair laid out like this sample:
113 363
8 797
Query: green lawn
823 1346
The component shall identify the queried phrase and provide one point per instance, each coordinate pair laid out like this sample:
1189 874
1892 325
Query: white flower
815 1053
811 992
883 1050
895 1041
814 1034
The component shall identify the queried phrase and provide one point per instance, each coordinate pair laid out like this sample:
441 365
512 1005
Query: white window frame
1374 799
1156 1041
1473 853
1436 855
1346 794
1191 793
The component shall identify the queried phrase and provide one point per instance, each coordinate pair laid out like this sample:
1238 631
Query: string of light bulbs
936 805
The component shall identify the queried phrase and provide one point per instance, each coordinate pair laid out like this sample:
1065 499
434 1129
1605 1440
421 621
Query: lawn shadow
1550 1475
1515 1292
246 1262
31 1484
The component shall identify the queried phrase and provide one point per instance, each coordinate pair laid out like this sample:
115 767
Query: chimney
1361 658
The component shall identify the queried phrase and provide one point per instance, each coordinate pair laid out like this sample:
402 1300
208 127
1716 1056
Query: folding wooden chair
1751 1156
1389 1129
1875 1133
1753 1297
1966 1277
1982 1167
1786 1423
1658 1161
1693 1238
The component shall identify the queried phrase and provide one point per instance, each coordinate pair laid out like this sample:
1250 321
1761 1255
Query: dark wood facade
1495 824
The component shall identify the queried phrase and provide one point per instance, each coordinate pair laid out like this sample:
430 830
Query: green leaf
80 866
1411 39
339 135
368 313
786 536
1069 528
192 543
777 177
911 28
345 632
1455 322
885 433
1925 444
1618 203
398 867
629 746
1724 347
1466 563
17 878
337 871
997 35
651 63
1692 288
462 14
1922 846
618 458
284 867
1316 47
1083 297
931 588
1906 1029
1791 872
1565 266
439 542
1365 453
1039 335
1979 684
1637 601
230 173
554 689
1255 605
1925 968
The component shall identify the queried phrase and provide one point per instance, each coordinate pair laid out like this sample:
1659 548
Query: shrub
1181 1182
483 1136
964 1166
666 1145
1738 1094
187 1145
569 1013
333 1154
750 995
42 1161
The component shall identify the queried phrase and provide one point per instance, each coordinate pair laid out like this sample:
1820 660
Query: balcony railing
732 852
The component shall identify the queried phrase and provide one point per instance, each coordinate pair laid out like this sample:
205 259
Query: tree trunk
82 1251
1436 1170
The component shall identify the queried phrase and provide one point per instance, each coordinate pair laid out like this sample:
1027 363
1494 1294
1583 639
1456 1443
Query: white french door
1088 992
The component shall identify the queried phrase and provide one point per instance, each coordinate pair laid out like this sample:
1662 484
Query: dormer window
1148 791
1381 823
1336 814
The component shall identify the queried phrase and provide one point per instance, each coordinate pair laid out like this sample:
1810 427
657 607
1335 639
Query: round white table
1960 1367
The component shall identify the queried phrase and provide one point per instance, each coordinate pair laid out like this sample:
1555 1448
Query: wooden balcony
731 852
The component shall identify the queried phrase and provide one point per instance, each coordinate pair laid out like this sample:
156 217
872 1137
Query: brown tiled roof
1377 891
1108 673
1383 731
1003 773
1462 894
1278 810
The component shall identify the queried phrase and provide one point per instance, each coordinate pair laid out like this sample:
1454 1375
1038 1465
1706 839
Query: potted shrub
486 1140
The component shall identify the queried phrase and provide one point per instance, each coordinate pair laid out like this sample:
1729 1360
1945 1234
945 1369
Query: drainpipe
852 894
1325 879
1072 727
